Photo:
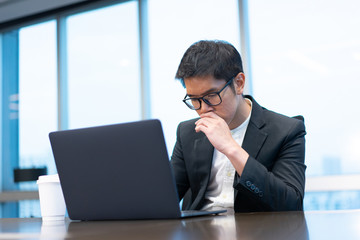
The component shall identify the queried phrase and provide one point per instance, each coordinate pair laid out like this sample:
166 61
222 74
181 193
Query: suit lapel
203 154
254 136
254 140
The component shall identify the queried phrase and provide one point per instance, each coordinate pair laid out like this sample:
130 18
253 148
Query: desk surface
284 225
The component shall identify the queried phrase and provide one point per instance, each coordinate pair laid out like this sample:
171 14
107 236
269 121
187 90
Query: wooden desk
286 225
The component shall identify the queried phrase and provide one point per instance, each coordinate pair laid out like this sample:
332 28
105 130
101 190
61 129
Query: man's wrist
238 157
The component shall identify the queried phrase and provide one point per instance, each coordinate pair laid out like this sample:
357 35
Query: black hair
215 58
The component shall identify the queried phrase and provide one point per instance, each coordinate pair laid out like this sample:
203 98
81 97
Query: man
237 155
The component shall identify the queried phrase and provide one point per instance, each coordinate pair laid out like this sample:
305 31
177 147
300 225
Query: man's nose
205 108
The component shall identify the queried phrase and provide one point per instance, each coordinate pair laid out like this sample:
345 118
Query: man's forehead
198 86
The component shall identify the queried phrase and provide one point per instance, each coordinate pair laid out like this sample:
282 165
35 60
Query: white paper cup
52 204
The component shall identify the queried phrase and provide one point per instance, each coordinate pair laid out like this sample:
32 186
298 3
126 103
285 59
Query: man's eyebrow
211 90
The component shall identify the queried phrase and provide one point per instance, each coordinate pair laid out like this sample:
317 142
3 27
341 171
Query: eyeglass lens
211 99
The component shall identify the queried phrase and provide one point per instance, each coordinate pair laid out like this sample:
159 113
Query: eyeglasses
211 99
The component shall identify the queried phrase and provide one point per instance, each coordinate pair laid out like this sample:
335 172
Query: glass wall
103 70
37 93
103 66
37 102
103 82
306 61
186 22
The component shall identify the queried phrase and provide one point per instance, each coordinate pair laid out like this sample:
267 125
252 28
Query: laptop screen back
119 171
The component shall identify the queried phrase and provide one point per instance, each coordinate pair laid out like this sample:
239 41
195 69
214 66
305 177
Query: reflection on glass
103 66
285 225
332 200
56 230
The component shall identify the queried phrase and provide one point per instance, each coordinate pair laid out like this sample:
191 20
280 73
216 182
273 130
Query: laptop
119 171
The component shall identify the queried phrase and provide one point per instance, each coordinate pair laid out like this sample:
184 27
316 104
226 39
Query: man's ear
239 83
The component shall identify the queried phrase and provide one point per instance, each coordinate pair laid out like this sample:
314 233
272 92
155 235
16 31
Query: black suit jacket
274 176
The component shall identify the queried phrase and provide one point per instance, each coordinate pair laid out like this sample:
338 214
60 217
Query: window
37 94
169 40
305 61
37 103
103 66
103 83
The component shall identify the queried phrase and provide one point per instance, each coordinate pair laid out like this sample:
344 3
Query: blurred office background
77 63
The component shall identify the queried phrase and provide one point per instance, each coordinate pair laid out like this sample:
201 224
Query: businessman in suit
237 155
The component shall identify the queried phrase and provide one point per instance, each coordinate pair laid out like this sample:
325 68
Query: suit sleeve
279 187
178 166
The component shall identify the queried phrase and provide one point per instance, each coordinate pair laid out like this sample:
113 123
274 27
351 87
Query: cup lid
48 178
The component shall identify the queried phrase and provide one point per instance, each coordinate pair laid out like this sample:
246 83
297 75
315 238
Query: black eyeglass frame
204 99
